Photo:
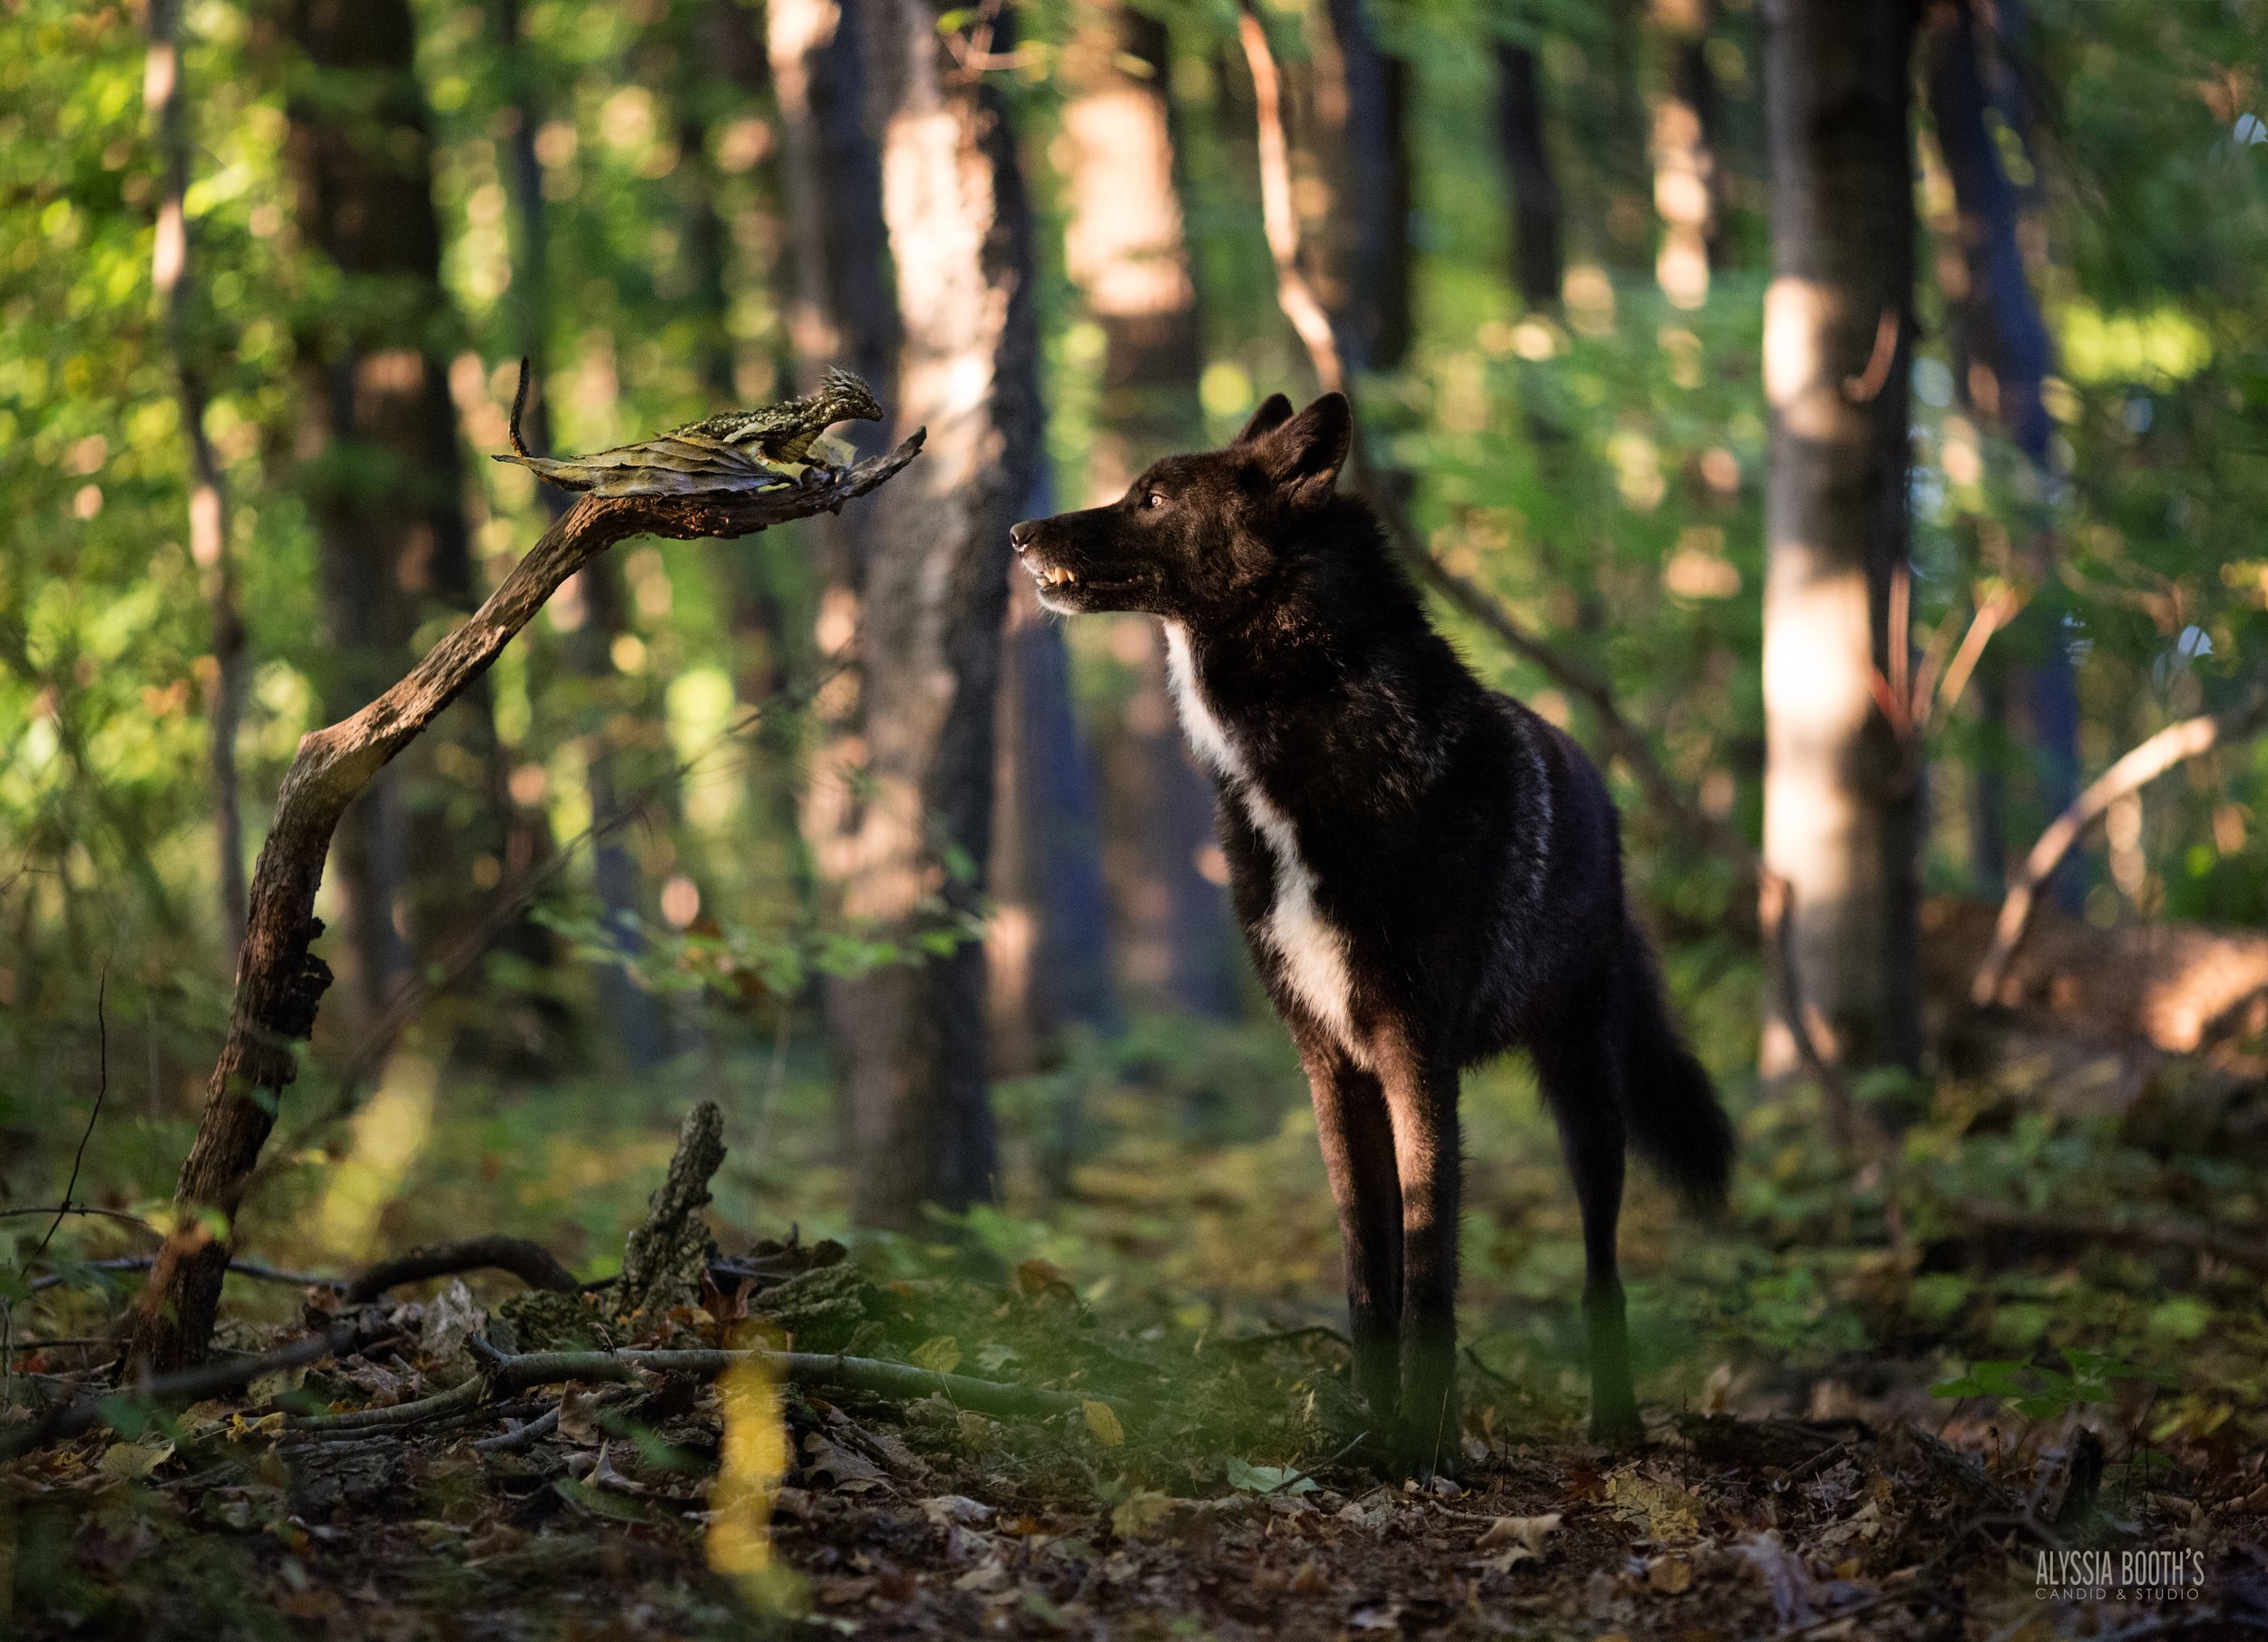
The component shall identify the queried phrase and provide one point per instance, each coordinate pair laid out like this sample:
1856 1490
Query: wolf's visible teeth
1056 575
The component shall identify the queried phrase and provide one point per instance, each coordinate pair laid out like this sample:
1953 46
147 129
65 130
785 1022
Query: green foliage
2039 1392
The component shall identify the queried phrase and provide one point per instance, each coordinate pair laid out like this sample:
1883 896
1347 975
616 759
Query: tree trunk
1370 229
1128 256
1841 812
162 83
908 832
386 493
1048 945
634 1023
1535 188
2001 356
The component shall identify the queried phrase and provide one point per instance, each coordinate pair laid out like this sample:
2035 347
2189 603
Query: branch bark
531 1263
667 1255
189 1385
280 982
512 1373
2176 744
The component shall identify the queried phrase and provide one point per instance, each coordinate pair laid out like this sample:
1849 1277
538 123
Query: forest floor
1863 1420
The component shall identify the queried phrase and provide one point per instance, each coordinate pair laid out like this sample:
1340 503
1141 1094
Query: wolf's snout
1020 535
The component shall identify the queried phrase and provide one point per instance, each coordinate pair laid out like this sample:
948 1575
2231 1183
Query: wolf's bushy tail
1669 1105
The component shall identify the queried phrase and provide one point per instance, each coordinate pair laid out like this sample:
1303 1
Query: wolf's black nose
1020 535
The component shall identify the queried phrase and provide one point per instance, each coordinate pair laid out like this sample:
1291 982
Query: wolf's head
1197 538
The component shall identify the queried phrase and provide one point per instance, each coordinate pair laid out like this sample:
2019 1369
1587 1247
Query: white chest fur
1311 949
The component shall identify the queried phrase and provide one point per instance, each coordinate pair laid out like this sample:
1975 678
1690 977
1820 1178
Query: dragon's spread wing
671 464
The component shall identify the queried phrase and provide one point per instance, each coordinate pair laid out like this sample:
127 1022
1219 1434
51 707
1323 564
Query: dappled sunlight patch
389 1133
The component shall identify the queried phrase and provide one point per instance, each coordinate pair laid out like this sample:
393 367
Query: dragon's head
846 398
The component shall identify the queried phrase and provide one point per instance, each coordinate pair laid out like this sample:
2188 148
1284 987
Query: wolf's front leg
1358 1152
1421 1098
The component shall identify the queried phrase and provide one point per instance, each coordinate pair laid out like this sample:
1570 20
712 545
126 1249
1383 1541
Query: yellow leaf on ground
1144 1514
940 1354
1103 1420
132 1461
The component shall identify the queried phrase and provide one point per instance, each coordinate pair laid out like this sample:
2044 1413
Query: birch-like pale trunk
1842 815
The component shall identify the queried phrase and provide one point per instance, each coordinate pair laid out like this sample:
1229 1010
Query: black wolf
1427 874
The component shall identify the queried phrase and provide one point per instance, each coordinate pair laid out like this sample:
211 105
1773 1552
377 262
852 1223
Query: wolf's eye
1154 499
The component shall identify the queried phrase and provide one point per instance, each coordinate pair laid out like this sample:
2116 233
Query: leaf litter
1178 1489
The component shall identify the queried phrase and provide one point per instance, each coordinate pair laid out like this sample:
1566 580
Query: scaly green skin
786 432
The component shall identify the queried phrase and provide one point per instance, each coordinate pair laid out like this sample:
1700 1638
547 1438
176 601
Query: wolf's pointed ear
1275 411
1305 454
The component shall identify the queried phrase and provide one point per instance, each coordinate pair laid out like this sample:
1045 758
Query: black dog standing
1427 874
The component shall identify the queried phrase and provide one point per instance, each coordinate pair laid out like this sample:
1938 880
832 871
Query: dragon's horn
518 403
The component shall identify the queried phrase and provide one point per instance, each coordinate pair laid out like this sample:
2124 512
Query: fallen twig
189 1385
2176 1235
80 1209
102 1087
2174 744
457 1399
520 1436
510 1372
531 1263
237 1268
1284 1337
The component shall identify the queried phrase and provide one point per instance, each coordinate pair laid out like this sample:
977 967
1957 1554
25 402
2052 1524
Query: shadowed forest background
1850 422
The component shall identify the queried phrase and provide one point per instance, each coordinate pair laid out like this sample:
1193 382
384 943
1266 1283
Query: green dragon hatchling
772 445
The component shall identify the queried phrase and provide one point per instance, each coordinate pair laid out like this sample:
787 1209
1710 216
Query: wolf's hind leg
1358 1153
1577 1067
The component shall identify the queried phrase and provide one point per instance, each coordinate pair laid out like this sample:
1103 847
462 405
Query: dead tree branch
531 1263
241 1268
2174 744
1293 293
507 1373
101 1089
279 981
2080 1230
667 1255
189 1385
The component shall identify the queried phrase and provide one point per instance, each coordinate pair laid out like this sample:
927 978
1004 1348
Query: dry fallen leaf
132 1461
940 1354
1103 1420
956 1510
1144 1514
1520 1539
1655 1498
1669 1575
579 1416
